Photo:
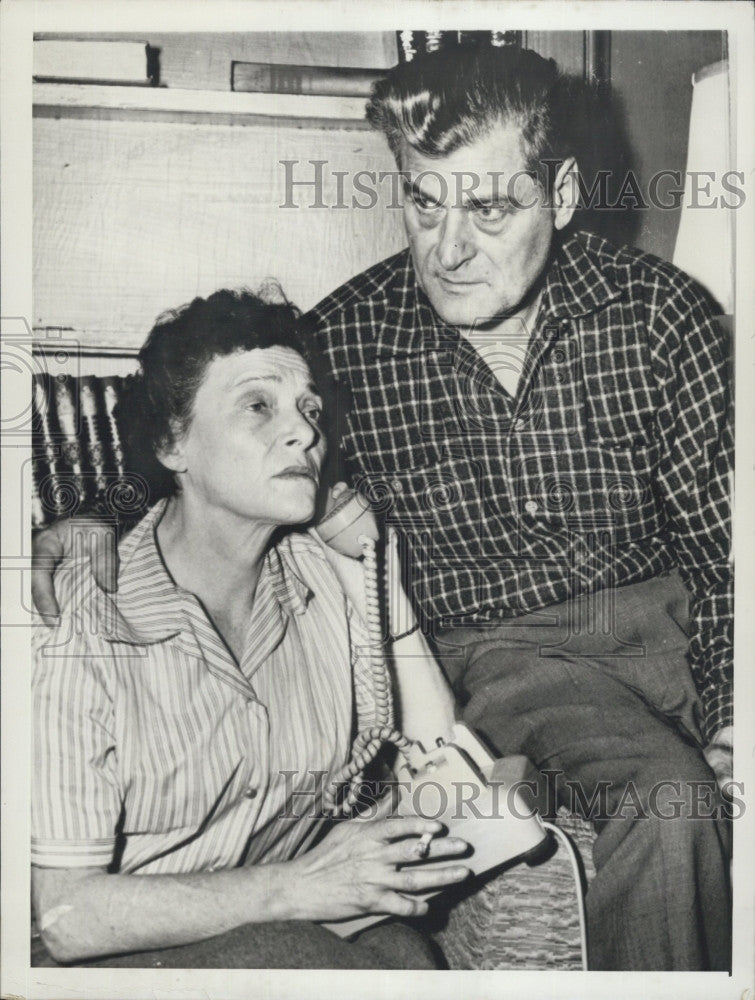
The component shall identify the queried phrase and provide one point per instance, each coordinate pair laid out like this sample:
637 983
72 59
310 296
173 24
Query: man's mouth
457 283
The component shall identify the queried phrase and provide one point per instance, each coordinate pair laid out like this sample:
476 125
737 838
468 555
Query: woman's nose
455 245
301 431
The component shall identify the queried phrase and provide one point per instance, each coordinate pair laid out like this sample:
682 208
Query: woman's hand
355 870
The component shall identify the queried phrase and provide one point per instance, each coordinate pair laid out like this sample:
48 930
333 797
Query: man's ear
565 193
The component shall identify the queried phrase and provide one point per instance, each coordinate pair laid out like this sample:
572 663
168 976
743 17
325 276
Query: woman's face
254 446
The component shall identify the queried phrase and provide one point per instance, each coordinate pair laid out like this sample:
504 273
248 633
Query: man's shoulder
629 268
375 284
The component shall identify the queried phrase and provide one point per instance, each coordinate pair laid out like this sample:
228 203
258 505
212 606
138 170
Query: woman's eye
256 405
313 413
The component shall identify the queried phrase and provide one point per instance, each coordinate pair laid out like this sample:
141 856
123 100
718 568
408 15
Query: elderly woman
179 721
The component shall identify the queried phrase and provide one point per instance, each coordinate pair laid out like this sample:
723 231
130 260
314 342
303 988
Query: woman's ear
171 454
565 192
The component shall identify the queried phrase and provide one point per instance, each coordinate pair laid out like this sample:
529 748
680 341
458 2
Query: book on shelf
279 78
94 61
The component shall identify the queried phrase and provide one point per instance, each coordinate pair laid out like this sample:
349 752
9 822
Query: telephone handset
345 525
432 779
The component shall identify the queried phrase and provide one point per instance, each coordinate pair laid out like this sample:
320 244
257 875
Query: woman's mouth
297 472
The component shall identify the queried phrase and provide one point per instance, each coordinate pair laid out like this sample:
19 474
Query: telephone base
479 799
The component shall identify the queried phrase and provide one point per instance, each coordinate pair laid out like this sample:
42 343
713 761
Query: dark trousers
291 944
597 692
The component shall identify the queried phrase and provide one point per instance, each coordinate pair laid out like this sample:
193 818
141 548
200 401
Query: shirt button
518 424
531 507
250 793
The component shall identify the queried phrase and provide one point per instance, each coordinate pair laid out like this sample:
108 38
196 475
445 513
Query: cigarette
423 845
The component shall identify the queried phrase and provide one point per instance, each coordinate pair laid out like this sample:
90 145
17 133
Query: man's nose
456 243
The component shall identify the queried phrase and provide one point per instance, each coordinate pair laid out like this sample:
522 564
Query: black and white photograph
374 509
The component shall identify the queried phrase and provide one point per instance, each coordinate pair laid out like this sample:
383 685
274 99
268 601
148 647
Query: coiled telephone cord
368 743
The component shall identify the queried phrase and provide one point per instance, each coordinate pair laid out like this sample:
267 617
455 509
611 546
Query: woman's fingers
407 851
425 878
396 827
337 489
395 905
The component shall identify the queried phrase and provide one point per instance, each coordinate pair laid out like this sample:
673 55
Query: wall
651 75
132 217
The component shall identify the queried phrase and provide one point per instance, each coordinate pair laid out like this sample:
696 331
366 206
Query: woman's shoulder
301 548
304 556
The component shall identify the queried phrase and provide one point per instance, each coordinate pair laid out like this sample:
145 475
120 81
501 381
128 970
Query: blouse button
531 507
251 793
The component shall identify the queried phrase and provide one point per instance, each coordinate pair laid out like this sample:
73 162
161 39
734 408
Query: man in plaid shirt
544 419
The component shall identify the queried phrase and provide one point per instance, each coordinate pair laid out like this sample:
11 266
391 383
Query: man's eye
313 413
425 204
256 405
490 213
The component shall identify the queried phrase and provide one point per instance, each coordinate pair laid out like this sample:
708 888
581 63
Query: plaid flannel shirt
612 464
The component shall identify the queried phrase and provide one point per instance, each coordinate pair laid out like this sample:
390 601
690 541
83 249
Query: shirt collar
291 592
575 286
148 607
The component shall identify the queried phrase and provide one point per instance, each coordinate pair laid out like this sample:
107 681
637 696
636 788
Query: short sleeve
76 802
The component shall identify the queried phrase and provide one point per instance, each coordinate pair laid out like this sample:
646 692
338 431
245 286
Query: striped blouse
155 752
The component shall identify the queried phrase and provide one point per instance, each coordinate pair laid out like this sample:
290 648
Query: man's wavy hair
157 403
442 101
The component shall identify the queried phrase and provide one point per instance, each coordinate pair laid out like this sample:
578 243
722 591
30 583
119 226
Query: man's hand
719 754
65 539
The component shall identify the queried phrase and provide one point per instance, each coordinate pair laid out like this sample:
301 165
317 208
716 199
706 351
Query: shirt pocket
628 457
594 479
440 496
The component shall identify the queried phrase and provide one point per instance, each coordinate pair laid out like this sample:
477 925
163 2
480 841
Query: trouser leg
291 944
611 712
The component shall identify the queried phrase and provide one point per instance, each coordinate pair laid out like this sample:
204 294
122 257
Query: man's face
479 245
